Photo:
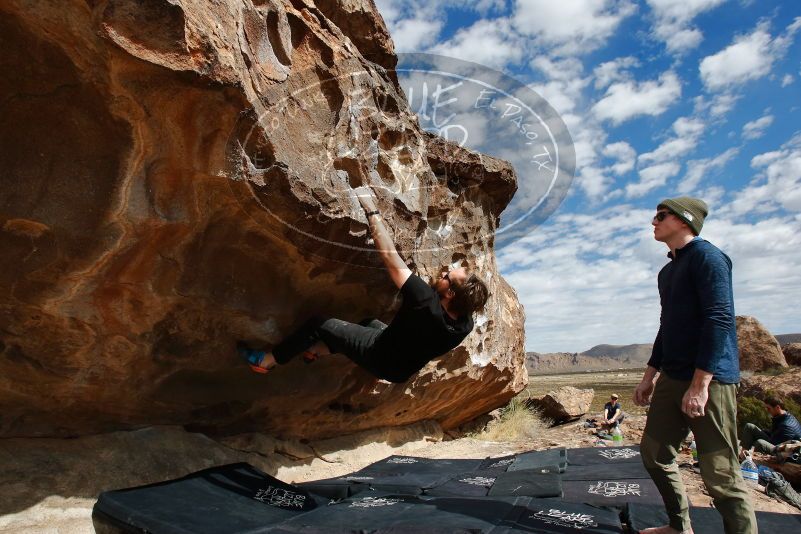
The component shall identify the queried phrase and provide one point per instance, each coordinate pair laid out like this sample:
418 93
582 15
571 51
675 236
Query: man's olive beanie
693 211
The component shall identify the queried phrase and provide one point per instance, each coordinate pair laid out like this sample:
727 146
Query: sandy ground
50 486
568 435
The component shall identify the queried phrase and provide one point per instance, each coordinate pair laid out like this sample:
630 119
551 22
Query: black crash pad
554 515
544 482
405 475
611 492
603 455
382 512
472 484
400 483
619 471
332 488
235 498
499 464
708 520
539 459
394 465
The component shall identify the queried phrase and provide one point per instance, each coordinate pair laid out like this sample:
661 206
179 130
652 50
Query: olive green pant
753 436
716 440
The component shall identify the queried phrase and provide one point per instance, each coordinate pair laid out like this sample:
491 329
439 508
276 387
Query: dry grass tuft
516 423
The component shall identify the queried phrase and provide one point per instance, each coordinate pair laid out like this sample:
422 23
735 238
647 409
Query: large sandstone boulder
786 385
792 353
564 404
178 174
759 350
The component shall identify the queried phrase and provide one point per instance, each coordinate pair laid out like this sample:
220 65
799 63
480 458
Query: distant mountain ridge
605 357
784 339
639 352
598 358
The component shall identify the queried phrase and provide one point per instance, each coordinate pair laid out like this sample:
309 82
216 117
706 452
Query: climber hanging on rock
432 320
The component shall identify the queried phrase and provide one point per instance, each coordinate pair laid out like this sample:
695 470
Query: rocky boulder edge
150 219
759 350
792 353
564 404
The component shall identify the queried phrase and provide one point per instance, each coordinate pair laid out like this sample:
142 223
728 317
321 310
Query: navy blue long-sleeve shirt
785 427
697 326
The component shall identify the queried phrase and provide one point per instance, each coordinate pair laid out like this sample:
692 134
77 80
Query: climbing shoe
252 357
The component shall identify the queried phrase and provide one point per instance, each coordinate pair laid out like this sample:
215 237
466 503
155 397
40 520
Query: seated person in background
785 427
613 413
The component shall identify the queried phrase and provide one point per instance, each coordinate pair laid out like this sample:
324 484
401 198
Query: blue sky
661 97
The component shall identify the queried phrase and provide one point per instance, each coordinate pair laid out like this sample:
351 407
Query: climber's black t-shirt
420 331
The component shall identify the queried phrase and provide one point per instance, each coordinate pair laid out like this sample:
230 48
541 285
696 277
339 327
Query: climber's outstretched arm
397 268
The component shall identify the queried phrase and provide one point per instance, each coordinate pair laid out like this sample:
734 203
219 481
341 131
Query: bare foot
667 529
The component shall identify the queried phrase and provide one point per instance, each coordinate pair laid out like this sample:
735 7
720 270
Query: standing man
432 320
693 372
784 427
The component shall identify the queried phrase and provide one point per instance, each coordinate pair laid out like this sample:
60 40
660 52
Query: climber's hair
774 401
469 297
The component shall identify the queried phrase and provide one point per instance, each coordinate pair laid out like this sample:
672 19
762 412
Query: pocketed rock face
148 219
792 353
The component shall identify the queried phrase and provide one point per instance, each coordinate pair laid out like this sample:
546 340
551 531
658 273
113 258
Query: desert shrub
516 422
752 410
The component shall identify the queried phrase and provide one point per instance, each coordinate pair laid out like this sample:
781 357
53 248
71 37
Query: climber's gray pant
353 340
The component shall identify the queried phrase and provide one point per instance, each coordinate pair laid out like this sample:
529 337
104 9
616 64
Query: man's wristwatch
374 212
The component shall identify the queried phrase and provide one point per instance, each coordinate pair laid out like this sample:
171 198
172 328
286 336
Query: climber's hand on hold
366 198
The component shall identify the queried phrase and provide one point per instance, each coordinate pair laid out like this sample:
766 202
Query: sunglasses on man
660 215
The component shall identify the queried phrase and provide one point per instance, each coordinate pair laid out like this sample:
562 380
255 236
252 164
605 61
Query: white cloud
414 35
558 69
690 126
765 254
486 6
413 24
565 84
624 155
697 169
561 273
389 10
626 100
756 128
652 178
578 294
593 181
787 80
748 58
777 184
613 71
670 149
672 22
717 106
570 27
488 42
